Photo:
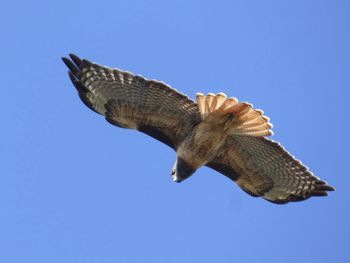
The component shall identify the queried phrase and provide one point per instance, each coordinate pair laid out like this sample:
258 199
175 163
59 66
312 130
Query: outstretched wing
262 167
131 101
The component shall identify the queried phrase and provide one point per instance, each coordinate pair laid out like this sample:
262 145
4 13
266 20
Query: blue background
75 189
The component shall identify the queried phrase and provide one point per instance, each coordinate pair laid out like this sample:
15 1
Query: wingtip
76 60
77 84
72 55
87 62
318 193
328 188
71 66
324 186
66 61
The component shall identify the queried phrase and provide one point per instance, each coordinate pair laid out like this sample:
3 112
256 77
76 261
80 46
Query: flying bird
215 131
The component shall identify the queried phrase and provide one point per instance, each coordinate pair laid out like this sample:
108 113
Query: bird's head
181 170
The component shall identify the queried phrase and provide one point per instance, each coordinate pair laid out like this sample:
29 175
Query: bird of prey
216 131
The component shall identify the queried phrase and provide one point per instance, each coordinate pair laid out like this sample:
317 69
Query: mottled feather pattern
137 102
266 169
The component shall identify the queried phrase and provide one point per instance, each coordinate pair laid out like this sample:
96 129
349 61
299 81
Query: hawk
216 131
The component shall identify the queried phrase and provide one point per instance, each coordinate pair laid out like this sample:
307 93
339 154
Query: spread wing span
262 167
131 101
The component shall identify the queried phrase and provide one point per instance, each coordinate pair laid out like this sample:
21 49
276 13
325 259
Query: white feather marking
121 77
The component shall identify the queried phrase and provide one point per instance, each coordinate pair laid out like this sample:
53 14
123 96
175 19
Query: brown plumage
218 132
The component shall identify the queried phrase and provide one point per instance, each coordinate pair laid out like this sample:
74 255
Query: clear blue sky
75 189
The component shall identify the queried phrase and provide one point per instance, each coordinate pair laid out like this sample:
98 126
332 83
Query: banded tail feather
241 116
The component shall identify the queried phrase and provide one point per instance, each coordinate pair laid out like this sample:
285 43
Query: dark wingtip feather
87 62
326 188
72 77
77 84
73 68
76 60
320 190
318 193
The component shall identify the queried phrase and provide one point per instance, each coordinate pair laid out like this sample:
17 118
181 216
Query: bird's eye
172 172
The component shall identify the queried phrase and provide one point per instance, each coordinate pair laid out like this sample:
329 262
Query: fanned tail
239 117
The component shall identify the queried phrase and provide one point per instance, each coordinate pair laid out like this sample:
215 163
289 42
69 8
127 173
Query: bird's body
201 144
218 132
